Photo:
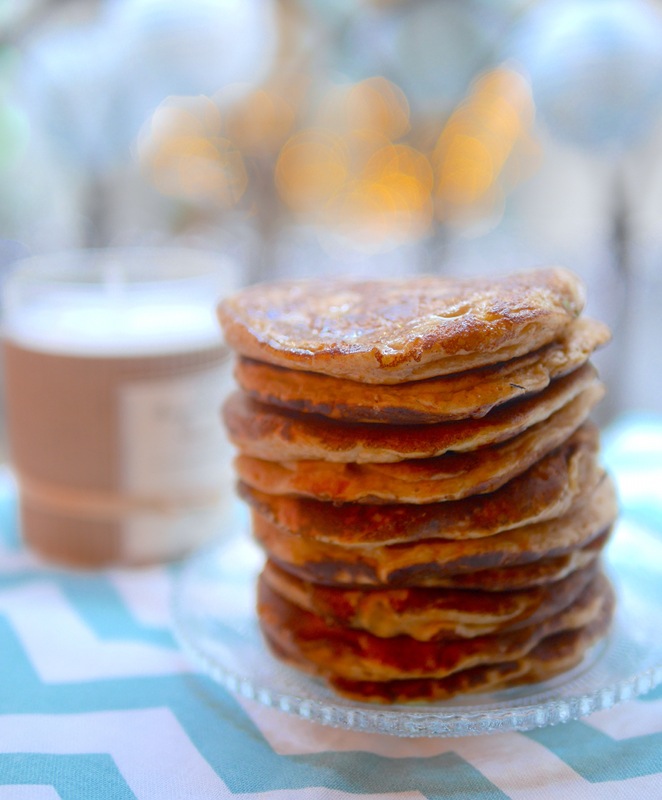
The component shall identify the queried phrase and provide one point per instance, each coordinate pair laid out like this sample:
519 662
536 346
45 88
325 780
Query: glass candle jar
115 371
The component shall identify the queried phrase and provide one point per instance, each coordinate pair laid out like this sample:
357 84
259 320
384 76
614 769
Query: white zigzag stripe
505 759
51 631
146 593
526 770
15 792
636 718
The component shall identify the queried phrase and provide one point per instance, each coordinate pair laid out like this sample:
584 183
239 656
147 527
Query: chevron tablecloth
96 701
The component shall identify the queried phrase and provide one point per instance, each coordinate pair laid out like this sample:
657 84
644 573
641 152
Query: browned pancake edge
360 656
469 394
390 331
272 434
544 491
395 564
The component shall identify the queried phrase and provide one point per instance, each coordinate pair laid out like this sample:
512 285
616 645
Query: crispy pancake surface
272 434
360 656
391 331
520 576
393 564
464 395
428 614
545 490
426 480
555 654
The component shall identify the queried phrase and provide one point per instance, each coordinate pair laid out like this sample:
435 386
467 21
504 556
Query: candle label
172 441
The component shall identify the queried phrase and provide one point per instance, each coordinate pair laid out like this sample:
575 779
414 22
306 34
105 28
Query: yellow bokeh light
363 211
187 158
401 160
260 121
361 146
391 200
379 105
348 174
408 177
375 104
312 167
478 140
467 171
198 171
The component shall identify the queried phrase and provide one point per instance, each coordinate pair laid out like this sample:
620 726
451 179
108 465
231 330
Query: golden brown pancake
273 434
555 654
545 490
390 331
391 564
463 395
426 480
484 678
359 656
427 614
519 576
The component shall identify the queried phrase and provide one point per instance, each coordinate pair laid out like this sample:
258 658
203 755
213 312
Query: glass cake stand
215 622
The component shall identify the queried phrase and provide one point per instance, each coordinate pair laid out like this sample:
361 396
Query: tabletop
98 701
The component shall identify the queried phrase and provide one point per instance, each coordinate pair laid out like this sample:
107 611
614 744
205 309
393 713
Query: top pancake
390 331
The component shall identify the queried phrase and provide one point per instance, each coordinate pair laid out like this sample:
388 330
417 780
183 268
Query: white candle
91 327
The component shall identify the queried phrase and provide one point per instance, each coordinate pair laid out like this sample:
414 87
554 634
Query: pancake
428 614
519 576
272 434
545 490
391 331
392 564
452 476
555 654
359 656
464 395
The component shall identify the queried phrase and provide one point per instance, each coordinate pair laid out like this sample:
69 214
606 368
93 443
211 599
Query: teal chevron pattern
597 757
97 702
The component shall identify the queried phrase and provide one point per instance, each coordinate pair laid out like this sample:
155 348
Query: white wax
89 326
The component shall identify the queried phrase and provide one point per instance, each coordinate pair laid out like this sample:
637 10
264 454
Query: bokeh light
187 157
389 204
353 175
311 168
260 120
374 104
359 169
492 126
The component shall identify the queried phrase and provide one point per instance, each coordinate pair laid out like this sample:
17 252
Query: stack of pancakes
423 478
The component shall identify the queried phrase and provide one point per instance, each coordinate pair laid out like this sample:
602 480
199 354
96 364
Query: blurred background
364 137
